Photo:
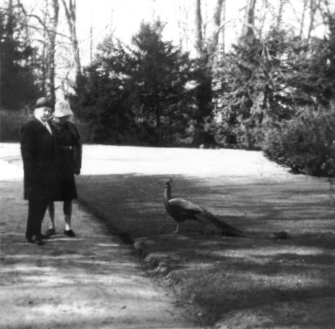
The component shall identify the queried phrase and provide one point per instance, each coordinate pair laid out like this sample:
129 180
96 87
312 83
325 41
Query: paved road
91 281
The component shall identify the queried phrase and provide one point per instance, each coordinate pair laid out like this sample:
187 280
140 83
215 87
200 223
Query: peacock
181 210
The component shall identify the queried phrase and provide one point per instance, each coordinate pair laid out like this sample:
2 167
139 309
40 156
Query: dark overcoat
77 147
38 152
69 153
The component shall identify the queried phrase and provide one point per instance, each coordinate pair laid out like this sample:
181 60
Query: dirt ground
221 282
90 281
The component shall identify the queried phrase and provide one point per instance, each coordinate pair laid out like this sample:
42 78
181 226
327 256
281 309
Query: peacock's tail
225 228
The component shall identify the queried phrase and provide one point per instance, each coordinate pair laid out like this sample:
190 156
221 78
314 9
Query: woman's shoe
69 233
50 231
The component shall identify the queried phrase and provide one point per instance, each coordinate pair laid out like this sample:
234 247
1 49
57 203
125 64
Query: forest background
259 74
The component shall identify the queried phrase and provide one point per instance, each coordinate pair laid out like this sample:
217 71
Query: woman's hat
62 109
43 102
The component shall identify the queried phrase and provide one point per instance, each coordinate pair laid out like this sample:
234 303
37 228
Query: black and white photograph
167 164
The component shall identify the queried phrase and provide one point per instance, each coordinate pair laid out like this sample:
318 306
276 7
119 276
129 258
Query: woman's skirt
65 178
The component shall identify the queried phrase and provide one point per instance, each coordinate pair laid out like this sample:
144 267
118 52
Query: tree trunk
249 20
70 12
52 49
177 12
9 24
49 23
91 43
222 33
280 13
216 25
314 6
198 29
44 64
303 19
219 20
182 14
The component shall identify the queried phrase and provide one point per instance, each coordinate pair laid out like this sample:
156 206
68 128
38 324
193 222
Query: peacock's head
168 182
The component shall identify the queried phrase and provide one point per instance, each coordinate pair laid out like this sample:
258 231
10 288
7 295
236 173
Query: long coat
69 151
38 152
77 147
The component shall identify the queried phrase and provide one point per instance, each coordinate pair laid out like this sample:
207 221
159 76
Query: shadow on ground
90 281
256 279
134 204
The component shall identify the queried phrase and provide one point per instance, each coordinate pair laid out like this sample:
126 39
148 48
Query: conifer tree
17 85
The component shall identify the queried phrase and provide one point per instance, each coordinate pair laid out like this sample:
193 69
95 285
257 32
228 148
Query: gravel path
91 281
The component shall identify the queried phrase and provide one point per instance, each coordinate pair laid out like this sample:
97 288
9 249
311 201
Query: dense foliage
17 82
305 144
139 94
269 79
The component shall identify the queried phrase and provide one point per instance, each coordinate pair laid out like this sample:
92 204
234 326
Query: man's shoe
69 233
39 242
30 240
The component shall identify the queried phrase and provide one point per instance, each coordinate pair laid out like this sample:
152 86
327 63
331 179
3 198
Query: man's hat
43 102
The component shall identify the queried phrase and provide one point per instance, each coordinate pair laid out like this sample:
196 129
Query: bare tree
181 12
216 26
302 24
222 32
51 50
10 19
201 28
198 29
249 20
48 25
91 43
177 9
71 17
216 42
280 13
314 6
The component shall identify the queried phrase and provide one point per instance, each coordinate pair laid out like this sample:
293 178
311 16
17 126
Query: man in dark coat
39 157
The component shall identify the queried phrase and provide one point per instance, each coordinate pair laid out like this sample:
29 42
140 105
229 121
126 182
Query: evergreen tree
102 102
142 87
157 73
17 86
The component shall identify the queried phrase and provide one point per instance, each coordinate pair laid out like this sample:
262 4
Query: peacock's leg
177 229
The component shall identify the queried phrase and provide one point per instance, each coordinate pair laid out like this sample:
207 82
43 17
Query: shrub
11 123
249 137
304 144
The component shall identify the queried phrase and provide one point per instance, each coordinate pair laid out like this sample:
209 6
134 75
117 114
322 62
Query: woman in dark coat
69 151
38 152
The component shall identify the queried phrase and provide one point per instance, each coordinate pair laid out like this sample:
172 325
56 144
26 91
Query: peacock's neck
167 194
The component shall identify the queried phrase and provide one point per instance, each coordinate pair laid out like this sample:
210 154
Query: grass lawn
250 282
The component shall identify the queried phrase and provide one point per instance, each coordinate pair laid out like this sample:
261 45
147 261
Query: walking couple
51 150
